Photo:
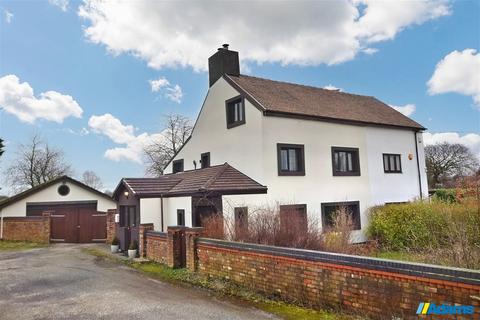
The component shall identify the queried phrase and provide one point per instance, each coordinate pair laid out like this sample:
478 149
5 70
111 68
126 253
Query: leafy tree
176 132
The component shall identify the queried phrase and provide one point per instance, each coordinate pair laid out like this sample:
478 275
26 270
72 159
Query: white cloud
173 93
406 110
174 34
158 84
119 133
383 20
18 99
457 72
8 16
62 4
471 140
332 87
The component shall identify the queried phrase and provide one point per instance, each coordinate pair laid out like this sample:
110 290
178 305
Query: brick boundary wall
156 246
377 288
111 225
34 229
142 238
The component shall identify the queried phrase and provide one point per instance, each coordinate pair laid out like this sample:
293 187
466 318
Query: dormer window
177 166
235 109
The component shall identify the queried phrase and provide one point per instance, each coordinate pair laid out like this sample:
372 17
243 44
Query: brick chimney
224 61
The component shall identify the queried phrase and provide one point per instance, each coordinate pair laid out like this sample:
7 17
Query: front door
129 223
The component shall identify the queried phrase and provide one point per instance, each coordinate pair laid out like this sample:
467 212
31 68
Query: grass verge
6 245
223 288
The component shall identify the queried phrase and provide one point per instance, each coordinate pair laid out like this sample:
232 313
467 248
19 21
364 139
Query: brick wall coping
159 234
29 218
408 268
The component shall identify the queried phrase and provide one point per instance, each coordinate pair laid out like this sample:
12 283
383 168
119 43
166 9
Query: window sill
235 124
291 173
346 174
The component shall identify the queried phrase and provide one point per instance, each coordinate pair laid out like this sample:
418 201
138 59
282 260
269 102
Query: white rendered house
312 148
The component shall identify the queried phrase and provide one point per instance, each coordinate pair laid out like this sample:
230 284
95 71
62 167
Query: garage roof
222 179
47 184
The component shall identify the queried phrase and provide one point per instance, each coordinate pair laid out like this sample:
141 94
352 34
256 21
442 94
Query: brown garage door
73 222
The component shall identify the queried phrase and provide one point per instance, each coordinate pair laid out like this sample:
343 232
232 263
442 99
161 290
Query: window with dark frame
235 109
392 163
291 159
129 216
177 166
293 218
180 217
205 160
241 222
330 209
345 161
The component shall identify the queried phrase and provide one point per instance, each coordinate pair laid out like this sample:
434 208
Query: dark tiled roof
282 98
223 179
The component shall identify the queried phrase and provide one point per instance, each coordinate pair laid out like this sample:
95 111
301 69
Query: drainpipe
418 165
161 211
1 224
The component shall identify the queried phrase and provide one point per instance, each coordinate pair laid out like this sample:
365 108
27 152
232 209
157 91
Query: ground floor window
180 217
241 222
293 218
129 216
331 209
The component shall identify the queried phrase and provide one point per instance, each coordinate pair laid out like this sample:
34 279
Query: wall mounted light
410 156
126 194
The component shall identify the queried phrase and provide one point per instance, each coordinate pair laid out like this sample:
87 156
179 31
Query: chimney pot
225 46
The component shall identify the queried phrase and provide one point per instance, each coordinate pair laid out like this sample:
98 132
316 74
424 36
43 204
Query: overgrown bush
445 195
446 233
266 226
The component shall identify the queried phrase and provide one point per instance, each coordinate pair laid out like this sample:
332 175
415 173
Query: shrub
447 233
445 195
115 241
133 245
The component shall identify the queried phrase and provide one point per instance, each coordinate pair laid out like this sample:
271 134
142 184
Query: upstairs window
177 166
205 160
180 217
331 209
345 161
235 109
291 159
392 163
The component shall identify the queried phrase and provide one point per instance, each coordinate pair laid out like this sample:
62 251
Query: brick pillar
46 226
191 235
111 225
142 238
176 246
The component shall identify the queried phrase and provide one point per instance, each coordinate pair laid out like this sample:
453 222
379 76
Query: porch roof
219 179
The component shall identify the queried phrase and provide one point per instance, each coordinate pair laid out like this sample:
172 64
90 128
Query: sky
96 78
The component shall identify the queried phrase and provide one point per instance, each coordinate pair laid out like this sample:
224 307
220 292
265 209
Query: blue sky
103 57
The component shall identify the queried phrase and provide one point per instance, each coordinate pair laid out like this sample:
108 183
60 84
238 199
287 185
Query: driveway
62 282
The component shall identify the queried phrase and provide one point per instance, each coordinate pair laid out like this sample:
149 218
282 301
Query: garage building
77 211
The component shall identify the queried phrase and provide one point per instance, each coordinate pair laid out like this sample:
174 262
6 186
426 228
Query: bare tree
447 160
36 163
2 147
91 179
176 132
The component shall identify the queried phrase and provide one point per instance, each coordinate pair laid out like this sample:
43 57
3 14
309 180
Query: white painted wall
50 194
170 206
237 146
395 187
150 212
252 149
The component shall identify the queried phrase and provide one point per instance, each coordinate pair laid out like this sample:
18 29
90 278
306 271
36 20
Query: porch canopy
220 180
